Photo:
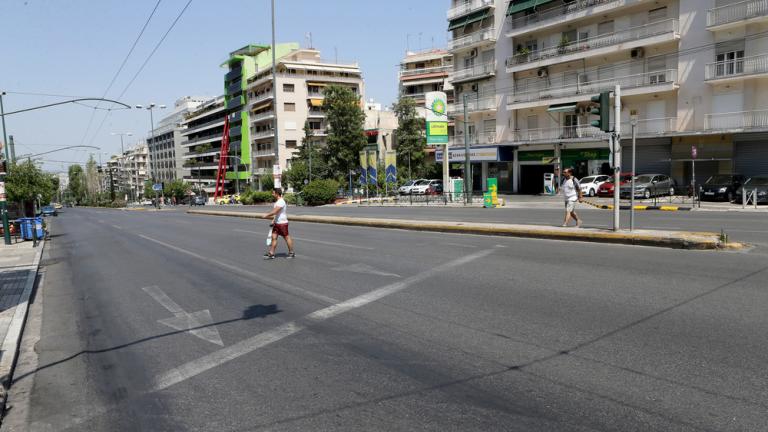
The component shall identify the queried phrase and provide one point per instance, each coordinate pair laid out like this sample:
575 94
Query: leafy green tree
411 139
149 193
308 154
346 137
177 189
92 176
76 183
25 182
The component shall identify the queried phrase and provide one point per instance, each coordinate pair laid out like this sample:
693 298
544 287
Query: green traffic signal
603 110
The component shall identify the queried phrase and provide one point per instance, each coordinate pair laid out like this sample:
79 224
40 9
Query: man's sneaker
291 255
268 256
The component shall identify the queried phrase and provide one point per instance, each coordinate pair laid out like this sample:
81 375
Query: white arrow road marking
197 323
364 269
207 362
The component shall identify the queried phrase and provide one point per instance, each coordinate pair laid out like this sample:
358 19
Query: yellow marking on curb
668 208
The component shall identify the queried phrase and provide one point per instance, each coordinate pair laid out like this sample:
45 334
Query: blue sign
362 176
372 175
157 187
391 173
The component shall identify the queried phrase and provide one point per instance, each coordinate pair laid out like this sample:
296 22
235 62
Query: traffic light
603 109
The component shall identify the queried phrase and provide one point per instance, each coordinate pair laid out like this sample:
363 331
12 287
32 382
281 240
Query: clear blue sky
74 47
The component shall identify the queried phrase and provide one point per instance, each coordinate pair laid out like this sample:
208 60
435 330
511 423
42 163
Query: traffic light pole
3 204
616 149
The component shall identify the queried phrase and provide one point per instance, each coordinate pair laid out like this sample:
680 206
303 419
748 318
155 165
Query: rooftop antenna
309 36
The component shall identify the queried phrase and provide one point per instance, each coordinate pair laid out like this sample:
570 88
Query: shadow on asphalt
251 312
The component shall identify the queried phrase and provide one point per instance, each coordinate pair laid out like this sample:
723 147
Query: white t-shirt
282 217
569 190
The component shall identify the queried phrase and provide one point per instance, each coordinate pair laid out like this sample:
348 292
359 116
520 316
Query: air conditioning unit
473 52
637 53
474 88
542 72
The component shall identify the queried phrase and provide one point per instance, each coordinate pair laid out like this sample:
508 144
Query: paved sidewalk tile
16 266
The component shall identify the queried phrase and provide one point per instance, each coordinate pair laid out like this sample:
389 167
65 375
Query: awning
316 102
469 19
563 107
260 107
317 84
516 6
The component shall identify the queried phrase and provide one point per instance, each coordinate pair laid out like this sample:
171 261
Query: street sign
157 187
694 152
2 191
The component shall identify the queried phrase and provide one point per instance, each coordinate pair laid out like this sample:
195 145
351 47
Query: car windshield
47 208
758 181
422 183
719 179
643 179
588 179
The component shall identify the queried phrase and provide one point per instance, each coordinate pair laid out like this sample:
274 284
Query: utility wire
122 65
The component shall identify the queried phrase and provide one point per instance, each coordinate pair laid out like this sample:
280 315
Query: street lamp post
151 108
3 204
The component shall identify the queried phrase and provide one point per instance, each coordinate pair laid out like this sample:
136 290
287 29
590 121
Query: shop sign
486 154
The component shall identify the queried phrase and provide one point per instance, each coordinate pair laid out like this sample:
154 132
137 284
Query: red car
606 189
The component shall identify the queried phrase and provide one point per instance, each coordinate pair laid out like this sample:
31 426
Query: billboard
436 106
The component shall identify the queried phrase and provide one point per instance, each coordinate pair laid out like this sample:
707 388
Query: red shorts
281 229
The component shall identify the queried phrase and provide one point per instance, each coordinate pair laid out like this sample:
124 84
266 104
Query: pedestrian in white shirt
571 190
279 225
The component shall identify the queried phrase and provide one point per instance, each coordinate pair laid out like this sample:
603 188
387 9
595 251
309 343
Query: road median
657 238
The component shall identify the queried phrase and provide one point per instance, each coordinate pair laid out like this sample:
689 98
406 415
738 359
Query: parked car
758 182
406 188
198 200
649 185
606 188
146 202
721 187
58 206
49 210
424 187
590 184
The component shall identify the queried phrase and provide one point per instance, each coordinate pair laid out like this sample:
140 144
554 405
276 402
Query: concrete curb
10 346
668 239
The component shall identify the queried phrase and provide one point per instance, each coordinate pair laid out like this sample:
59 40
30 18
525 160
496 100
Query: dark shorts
281 229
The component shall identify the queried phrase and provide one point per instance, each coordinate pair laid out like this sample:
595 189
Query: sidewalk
18 271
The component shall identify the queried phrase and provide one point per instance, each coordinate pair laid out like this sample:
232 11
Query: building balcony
195 155
315 114
737 14
235 88
474 104
570 133
203 140
420 72
210 124
635 37
481 139
236 102
737 121
466 8
315 95
475 72
269 115
262 171
260 98
263 134
650 127
235 132
480 37
649 82
264 153
562 13
730 70
234 73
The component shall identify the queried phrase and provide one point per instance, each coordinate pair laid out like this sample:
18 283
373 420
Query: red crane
221 174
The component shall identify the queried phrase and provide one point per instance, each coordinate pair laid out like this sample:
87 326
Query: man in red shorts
279 225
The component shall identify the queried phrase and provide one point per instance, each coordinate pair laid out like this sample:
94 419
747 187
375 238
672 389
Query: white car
424 187
590 184
406 188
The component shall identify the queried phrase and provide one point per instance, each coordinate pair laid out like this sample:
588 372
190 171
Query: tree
25 182
76 183
177 189
92 176
411 140
346 137
309 153
149 193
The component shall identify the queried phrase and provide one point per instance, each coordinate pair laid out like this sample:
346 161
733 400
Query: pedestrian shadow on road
251 312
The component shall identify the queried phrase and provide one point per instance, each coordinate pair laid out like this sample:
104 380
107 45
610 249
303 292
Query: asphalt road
165 321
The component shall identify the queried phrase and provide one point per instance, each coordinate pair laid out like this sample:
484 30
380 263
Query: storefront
533 165
487 162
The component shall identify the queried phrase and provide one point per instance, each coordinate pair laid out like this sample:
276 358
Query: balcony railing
473 105
737 120
263 153
475 71
545 16
204 126
601 41
425 71
645 127
262 116
315 94
737 12
235 102
482 35
468 7
259 98
262 171
753 65
481 139
558 133
263 134
316 113
592 87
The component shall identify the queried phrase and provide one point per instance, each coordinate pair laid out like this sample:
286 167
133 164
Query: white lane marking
198 323
460 245
217 358
116 227
328 243
274 283
363 269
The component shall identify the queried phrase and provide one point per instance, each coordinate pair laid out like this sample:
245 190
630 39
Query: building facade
164 142
424 72
250 102
692 75
202 133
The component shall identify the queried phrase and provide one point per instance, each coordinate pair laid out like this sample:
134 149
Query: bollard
743 198
754 198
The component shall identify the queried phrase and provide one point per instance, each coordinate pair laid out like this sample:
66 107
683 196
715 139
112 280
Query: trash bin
29 224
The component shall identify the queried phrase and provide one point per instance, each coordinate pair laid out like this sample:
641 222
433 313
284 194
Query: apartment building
135 171
301 77
164 142
202 132
423 72
692 72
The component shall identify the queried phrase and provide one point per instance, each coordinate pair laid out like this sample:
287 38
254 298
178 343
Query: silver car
649 185
406 189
